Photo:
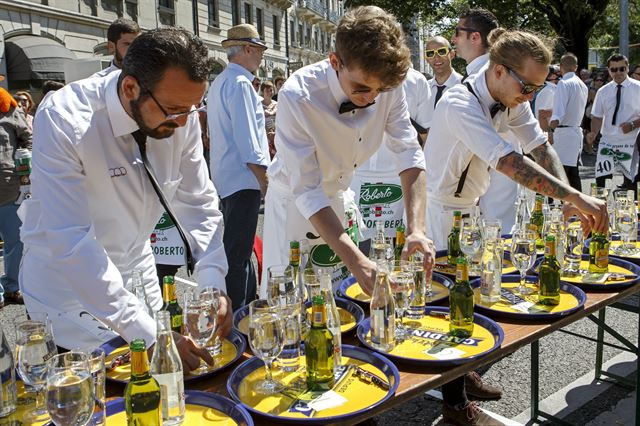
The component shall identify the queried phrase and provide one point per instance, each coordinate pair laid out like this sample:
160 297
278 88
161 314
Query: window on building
308 39
300 35
235 12
166 3
293 33
131 9
112 6
212 12
93 5
260 22
315 41
248 15
276 30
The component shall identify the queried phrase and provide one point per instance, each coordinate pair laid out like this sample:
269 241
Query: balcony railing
333 16
316 6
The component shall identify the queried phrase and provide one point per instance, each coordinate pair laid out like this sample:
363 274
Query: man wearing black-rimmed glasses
86 229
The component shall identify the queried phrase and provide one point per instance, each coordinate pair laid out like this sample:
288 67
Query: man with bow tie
333 117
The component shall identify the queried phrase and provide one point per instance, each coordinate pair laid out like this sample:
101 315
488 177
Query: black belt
563 126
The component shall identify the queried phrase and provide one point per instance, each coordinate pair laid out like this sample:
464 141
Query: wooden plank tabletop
416 380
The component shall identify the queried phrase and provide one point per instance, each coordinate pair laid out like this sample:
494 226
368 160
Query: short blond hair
371 39
512 47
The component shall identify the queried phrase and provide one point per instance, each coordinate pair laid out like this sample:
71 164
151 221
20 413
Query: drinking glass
422 287
34 347
471 243
200 318
69 389
214 345
95 359
289 359
523 255
491 229
626 222
574 240
281 289
402 287
312 282
380 250
266 339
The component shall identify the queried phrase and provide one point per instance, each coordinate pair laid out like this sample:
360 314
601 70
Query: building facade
39 36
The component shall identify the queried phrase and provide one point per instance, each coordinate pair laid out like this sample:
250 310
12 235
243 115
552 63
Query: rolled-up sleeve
526 128
402 137
196 205
70 235
247 133
297 148
475 131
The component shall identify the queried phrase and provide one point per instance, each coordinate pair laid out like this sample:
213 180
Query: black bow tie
350 106
498 106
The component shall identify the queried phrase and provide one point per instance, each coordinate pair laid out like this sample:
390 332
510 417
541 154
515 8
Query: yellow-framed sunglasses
442 51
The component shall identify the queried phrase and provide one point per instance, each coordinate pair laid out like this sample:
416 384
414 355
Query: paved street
563 358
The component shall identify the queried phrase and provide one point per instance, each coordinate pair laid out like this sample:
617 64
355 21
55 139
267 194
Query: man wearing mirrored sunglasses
110 154
616 115
438 55
240 155
569 103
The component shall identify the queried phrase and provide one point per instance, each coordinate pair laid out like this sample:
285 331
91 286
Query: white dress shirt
475 66
105 72
319 149
463 129
544 99
87 225
605 103
454 78
570 100
236 120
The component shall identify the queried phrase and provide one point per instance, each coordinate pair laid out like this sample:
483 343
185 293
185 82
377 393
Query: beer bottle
142 394
171 303
382 308
461 302
599 254
333 318
537 221
352 226
294 262
166 368
594 189
397 254
319 349
549 275
453 241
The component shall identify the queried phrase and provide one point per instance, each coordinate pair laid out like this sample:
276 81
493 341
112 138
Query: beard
162 131
117 58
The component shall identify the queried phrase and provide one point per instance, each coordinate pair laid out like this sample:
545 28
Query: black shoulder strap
463 176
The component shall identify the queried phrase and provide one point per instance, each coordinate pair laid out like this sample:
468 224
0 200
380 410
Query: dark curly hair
153 52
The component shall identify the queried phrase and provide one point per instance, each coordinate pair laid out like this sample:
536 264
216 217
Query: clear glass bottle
7 379
333 317
137 286
491 277
166 368
383 310
379 243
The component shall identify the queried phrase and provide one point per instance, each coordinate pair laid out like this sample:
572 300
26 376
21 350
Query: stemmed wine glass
523 255
34 347
625 220
70 389
402 286
266 339
200 319
471 242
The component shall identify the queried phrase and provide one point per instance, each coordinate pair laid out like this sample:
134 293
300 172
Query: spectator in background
585 76
278 82
635 73
49 87
25 102
239 156
120 35
270 108
542 103
14 134
554 74
256 83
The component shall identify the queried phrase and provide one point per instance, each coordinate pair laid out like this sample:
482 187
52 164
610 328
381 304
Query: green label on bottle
176 321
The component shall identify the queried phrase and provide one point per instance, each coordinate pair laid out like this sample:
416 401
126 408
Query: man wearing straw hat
240 156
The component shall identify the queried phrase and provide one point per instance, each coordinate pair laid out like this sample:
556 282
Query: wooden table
414 381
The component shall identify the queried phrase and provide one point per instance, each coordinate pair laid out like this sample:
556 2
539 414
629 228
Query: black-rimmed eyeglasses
199 108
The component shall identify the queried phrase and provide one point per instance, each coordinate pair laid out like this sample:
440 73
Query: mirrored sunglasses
527 88
443 51
618 69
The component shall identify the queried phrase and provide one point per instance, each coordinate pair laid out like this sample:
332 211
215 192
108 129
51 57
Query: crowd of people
114 152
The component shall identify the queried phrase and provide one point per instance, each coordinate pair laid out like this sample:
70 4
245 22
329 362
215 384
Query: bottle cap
168 279
137 345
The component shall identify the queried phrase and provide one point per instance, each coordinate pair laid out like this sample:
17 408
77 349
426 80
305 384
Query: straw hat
243 34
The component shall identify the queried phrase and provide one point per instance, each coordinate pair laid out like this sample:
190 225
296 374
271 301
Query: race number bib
617 153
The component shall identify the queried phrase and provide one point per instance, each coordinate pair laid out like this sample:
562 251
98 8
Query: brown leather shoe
478 390
470 415
13 298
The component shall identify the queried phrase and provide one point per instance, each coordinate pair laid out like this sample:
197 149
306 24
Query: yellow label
168 292
602 258
176 321
294 256
139 362
462 273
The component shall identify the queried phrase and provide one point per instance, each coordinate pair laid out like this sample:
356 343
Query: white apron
617 153
440 220
500 199
567 141
283 223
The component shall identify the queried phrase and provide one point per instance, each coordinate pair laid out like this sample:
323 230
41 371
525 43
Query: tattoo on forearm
531 175
547 157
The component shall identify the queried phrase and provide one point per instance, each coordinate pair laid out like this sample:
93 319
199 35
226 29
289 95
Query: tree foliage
572 21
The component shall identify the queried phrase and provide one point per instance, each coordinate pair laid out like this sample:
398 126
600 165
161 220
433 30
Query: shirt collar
448 82
334 84
241 70
625 83
568 75
479 83
121 122
474 66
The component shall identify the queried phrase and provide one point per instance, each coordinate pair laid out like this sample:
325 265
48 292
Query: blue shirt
236 127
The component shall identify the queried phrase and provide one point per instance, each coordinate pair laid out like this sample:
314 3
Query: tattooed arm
593 212
548 158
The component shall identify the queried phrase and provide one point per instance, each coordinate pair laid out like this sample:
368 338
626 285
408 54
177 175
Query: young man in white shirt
464 141
438 54
86 227
542 103
239 156
120 35
616 114
565 133
332 116
470 38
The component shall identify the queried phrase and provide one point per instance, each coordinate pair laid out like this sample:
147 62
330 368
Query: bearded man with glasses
86 229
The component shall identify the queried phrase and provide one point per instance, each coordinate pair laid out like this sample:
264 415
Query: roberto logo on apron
381 201
166 243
